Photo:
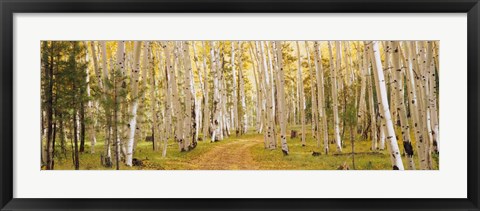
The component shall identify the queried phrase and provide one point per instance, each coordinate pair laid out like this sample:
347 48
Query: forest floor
245 152
233 155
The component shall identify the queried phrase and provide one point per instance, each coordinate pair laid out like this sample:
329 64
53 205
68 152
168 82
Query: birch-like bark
244 117
334 68
120 67
382 96
140 132
400 105
236 121
153 107
268 96
362 108
423 81
216 127
281 97
177 107
301 96
168 97
414 106
258 110
313 93
206 107
90 106
271 59
190 115
199 102
134 103
432 89
95 65
373 113
105 90
322 115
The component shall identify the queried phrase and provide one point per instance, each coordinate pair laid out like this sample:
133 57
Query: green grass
300 157
152 160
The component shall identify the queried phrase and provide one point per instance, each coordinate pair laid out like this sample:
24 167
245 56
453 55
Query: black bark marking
407 146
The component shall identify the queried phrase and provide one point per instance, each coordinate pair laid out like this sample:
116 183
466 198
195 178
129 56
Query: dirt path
235 155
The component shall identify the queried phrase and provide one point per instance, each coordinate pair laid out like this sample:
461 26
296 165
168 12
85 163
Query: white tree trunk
179 135
301 96
334 69
206 108
281 97
134 106
313 93
432 104
391 137
362 108
141 132
190 113
216 127
236 124
108 152
268 96
414 105
400 105
258 113
91 109
153 107
322 115
244 120
199 102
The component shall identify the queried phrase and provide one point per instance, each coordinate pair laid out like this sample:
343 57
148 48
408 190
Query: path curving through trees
235 155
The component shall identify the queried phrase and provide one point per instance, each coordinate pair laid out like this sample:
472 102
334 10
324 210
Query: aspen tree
400 105
271 59
362 108
217 132
105 90
91 113
302 97
313 96
140 132
281 97
153 105
134 104
384 107
262 91
269 117
322 114
334 69
95 65
258 91
206 107
190 123
423 80
176 104
236 121
119 69
199 102
168 122
373 115
414 106
244 122
432 89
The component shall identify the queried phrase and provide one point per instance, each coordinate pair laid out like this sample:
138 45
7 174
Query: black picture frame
9 7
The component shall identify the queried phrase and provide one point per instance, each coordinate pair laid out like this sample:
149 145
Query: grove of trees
116 94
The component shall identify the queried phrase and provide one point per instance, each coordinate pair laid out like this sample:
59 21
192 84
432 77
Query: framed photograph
240 105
